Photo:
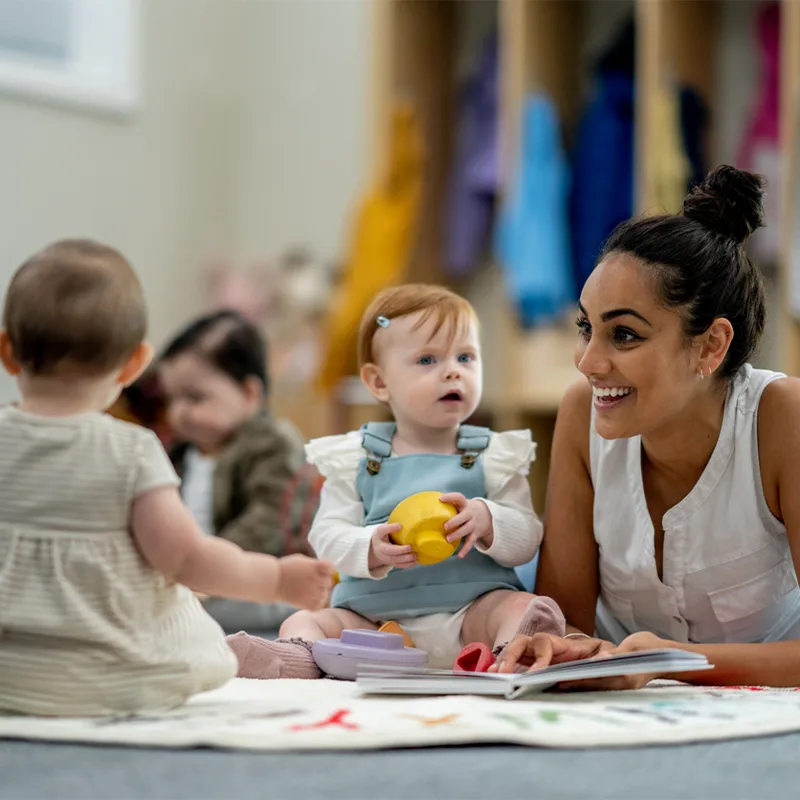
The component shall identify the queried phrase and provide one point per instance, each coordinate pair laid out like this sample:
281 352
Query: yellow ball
423 516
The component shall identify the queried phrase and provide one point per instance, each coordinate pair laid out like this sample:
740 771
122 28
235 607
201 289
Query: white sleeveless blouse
728 574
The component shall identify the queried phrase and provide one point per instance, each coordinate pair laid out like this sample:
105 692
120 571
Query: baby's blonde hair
447 307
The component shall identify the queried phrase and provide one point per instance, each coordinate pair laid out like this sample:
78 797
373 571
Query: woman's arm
568 562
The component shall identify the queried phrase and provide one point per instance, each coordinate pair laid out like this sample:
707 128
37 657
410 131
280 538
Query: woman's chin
612 428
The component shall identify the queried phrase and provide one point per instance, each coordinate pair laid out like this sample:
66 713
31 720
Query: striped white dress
87 627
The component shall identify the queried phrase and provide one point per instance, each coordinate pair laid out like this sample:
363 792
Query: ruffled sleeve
517 529
338 533
509 453
336 456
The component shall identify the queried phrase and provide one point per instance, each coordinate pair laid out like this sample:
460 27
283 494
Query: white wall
303 135
251 136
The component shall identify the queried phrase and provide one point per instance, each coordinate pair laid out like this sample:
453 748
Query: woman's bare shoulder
575 418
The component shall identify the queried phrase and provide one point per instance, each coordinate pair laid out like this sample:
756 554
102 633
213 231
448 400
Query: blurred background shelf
420 50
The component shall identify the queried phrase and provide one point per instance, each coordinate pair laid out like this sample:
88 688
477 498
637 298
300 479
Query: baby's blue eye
464 358
425 360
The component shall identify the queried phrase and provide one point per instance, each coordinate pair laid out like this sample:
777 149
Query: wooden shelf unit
543 47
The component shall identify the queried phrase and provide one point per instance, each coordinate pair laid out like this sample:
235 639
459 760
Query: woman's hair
699 258
447 307
228 342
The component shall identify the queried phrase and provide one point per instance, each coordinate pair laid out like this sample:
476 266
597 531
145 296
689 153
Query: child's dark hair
700 262
227 341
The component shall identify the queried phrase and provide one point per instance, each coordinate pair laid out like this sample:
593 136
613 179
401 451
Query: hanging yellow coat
668 164
381 246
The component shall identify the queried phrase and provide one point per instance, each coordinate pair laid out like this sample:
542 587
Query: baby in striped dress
98 555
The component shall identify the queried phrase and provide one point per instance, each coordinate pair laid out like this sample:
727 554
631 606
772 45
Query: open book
382 679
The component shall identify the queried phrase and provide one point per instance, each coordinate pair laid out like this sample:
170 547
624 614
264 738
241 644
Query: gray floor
741 770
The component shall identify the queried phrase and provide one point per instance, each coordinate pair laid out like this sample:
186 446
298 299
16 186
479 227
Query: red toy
475 657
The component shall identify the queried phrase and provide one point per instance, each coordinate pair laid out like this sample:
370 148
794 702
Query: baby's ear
138 362
253 390
10 363
372 379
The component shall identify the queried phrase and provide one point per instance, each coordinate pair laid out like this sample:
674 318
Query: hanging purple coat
474 180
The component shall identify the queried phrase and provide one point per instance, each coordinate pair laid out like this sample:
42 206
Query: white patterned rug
329 715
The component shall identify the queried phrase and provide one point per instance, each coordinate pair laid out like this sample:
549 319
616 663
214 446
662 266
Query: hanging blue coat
532 238
603 182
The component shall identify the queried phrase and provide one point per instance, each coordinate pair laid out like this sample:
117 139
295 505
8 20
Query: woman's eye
425 360
625 336
584 328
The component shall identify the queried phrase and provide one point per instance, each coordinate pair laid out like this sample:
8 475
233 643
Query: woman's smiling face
633 350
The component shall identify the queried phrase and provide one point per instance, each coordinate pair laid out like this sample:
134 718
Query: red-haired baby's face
430 378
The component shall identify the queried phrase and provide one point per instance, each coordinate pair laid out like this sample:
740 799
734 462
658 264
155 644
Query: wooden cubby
547 45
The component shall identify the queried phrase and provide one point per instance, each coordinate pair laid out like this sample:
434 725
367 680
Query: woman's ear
10 363
371 378
138 362
716 341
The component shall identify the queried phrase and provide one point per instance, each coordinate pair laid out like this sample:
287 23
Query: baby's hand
473 523
383 552
305 582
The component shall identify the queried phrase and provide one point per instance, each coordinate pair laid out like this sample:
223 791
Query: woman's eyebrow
607 316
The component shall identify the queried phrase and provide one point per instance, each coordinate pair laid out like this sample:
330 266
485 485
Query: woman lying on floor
673 509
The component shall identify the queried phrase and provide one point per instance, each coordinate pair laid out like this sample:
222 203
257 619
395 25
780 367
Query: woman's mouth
608 397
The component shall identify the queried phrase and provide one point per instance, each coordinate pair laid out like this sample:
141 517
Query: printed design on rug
331 715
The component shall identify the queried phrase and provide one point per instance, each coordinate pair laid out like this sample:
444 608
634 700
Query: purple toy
340 658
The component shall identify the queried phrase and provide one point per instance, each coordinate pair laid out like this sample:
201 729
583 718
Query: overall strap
376 439
472 440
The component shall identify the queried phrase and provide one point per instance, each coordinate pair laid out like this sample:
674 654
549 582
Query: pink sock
541 615
265 659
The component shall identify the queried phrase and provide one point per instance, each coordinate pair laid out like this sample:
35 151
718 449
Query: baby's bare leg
290 655
495 618
326 624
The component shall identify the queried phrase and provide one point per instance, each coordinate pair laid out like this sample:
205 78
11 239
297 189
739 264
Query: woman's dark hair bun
729 201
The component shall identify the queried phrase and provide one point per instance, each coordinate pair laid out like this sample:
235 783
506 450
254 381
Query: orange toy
392 627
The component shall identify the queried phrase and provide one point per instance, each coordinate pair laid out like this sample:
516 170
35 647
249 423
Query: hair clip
383 321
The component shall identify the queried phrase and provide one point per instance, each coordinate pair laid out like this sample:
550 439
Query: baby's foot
265 659
541 615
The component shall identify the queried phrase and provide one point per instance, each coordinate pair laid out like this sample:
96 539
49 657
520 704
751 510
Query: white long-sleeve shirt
339 536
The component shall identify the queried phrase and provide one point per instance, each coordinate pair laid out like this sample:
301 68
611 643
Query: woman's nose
592 359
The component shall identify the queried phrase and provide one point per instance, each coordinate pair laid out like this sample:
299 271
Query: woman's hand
636 641
543 649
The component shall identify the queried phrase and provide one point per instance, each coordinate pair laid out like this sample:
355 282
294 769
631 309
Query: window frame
101 71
